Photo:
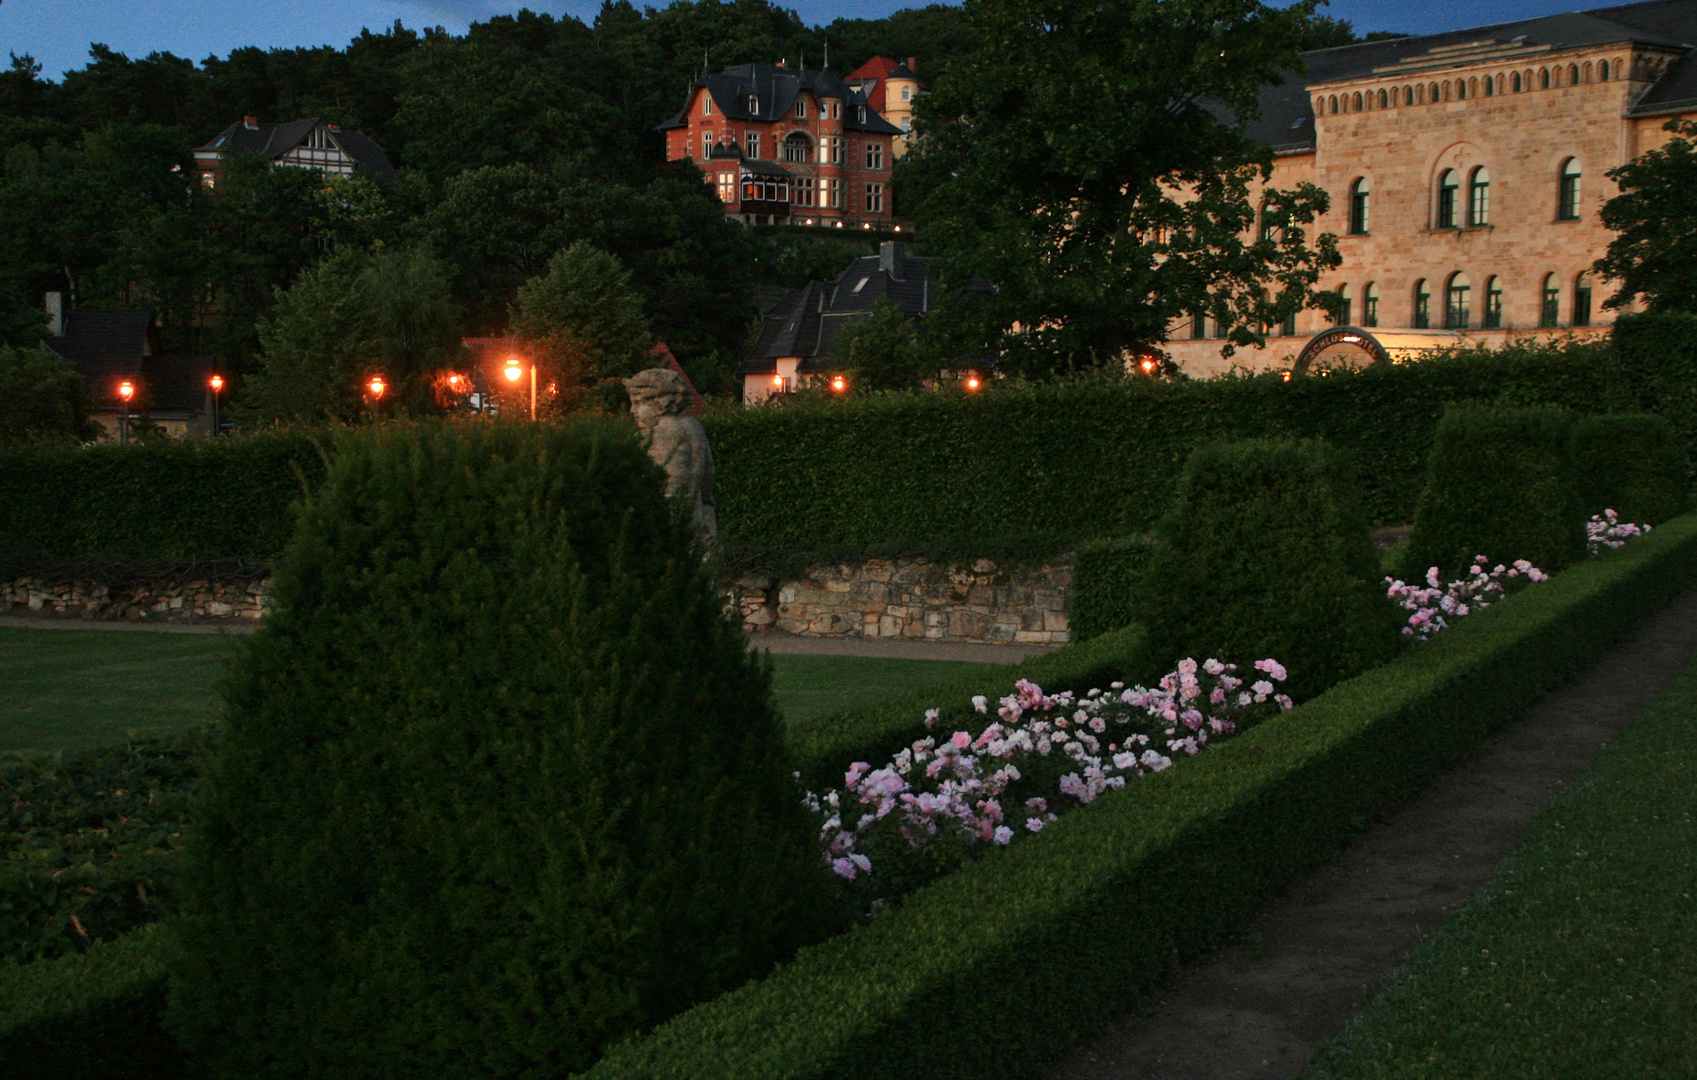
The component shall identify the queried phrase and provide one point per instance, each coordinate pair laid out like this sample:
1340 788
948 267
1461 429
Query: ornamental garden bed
998 967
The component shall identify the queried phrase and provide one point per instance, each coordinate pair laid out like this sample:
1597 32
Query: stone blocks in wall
912 599
237 600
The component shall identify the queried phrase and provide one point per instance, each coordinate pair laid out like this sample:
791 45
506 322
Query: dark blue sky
58 32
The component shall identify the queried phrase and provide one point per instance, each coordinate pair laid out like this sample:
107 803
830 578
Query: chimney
251 123
912 65
334 127
890 258
55 314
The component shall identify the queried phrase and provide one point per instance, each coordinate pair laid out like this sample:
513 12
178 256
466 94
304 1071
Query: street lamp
376 387
515 371
126 391
972 382
217 384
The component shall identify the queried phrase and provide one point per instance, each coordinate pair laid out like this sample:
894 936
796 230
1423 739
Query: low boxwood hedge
94 1015
993 971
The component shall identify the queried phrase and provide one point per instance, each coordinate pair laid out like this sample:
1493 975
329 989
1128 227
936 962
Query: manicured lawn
76 689
1579 958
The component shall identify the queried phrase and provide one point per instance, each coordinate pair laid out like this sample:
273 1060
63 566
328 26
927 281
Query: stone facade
1521 109
913 599
164 601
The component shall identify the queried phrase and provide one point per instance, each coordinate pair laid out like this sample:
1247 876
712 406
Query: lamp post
515 371
376 388
217 384
126 391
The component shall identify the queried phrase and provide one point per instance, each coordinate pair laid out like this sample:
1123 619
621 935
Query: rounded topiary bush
1266 553
1499 483
1630 463
499 782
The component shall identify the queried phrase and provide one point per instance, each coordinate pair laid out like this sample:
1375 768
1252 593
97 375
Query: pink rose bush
1605 532
940 801
1434 607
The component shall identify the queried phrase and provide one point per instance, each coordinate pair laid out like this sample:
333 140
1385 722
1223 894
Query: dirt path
1321 951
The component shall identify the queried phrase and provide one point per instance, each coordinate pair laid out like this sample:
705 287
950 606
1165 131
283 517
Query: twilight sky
58 32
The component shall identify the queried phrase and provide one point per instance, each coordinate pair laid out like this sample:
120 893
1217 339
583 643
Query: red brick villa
784 146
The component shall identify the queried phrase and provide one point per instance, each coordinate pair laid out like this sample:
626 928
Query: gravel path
1322 950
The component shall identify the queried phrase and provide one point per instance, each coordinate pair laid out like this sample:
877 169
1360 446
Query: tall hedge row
1086 459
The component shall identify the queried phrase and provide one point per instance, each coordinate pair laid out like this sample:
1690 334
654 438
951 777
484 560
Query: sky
58 32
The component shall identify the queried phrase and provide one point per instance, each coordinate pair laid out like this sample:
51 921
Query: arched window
1422 305
1343 313
1514 82
753 105
1319 106
1266 230
1456 313
1357 100
1567 191
798 147
1602 71
1549 306
1490 86
1543 78
1384 99
1407 96
1370 305
1582 300
1199 326
1467 89
1360 198
1572 74
1332 104
1585 72
1432 93
1419 97
1449 184
1479 197
1492 317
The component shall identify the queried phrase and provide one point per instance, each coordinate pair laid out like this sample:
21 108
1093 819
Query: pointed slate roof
274 140
772 90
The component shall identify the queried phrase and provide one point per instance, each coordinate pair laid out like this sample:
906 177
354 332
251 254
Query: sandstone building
1466 171
891 88
784 145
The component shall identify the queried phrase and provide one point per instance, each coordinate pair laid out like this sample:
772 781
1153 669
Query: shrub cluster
1500 483
1656 372
89 844
498 782
1105 575
1630 463
1265 552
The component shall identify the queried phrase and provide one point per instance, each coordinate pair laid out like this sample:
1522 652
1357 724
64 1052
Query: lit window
1479 197
727 188
1370 305
1493 315
1422 305
209 182
1582 300
1448 186
1359 201
1456 306
1549 312
1567 198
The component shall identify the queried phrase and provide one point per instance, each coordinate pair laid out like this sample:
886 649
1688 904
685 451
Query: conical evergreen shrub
1266 553
1630 463
499 782
1499 483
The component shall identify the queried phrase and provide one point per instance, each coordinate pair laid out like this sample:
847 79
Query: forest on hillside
526 138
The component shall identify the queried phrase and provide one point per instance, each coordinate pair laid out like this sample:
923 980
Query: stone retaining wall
914 599
149 601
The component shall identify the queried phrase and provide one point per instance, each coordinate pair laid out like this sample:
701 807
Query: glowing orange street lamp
972 383
377 387
126 391
514 372
217 384
839 384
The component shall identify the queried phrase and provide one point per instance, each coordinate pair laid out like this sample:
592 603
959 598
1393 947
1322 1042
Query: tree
1086 161
882 350
352 314
587 317
1655 255
42 399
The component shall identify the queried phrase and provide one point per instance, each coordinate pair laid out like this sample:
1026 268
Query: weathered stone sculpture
677 443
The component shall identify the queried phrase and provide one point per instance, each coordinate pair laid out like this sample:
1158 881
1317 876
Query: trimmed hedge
1630 463
1499 483
1656 371
995 970
1105 576
91 1016
1265 553
1048 464
154 501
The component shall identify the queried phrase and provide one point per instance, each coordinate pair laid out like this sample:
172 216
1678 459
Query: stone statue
677 443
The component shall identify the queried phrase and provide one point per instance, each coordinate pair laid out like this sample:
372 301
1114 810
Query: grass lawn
77 689
1579 958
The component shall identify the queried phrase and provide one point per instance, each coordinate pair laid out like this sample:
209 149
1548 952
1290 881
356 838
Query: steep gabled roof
107 347
274 140
773 91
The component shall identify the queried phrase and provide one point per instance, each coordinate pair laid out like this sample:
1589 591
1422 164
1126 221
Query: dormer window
753 105
860 113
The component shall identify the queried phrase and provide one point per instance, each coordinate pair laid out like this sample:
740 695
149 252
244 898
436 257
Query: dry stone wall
913 599
164 601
